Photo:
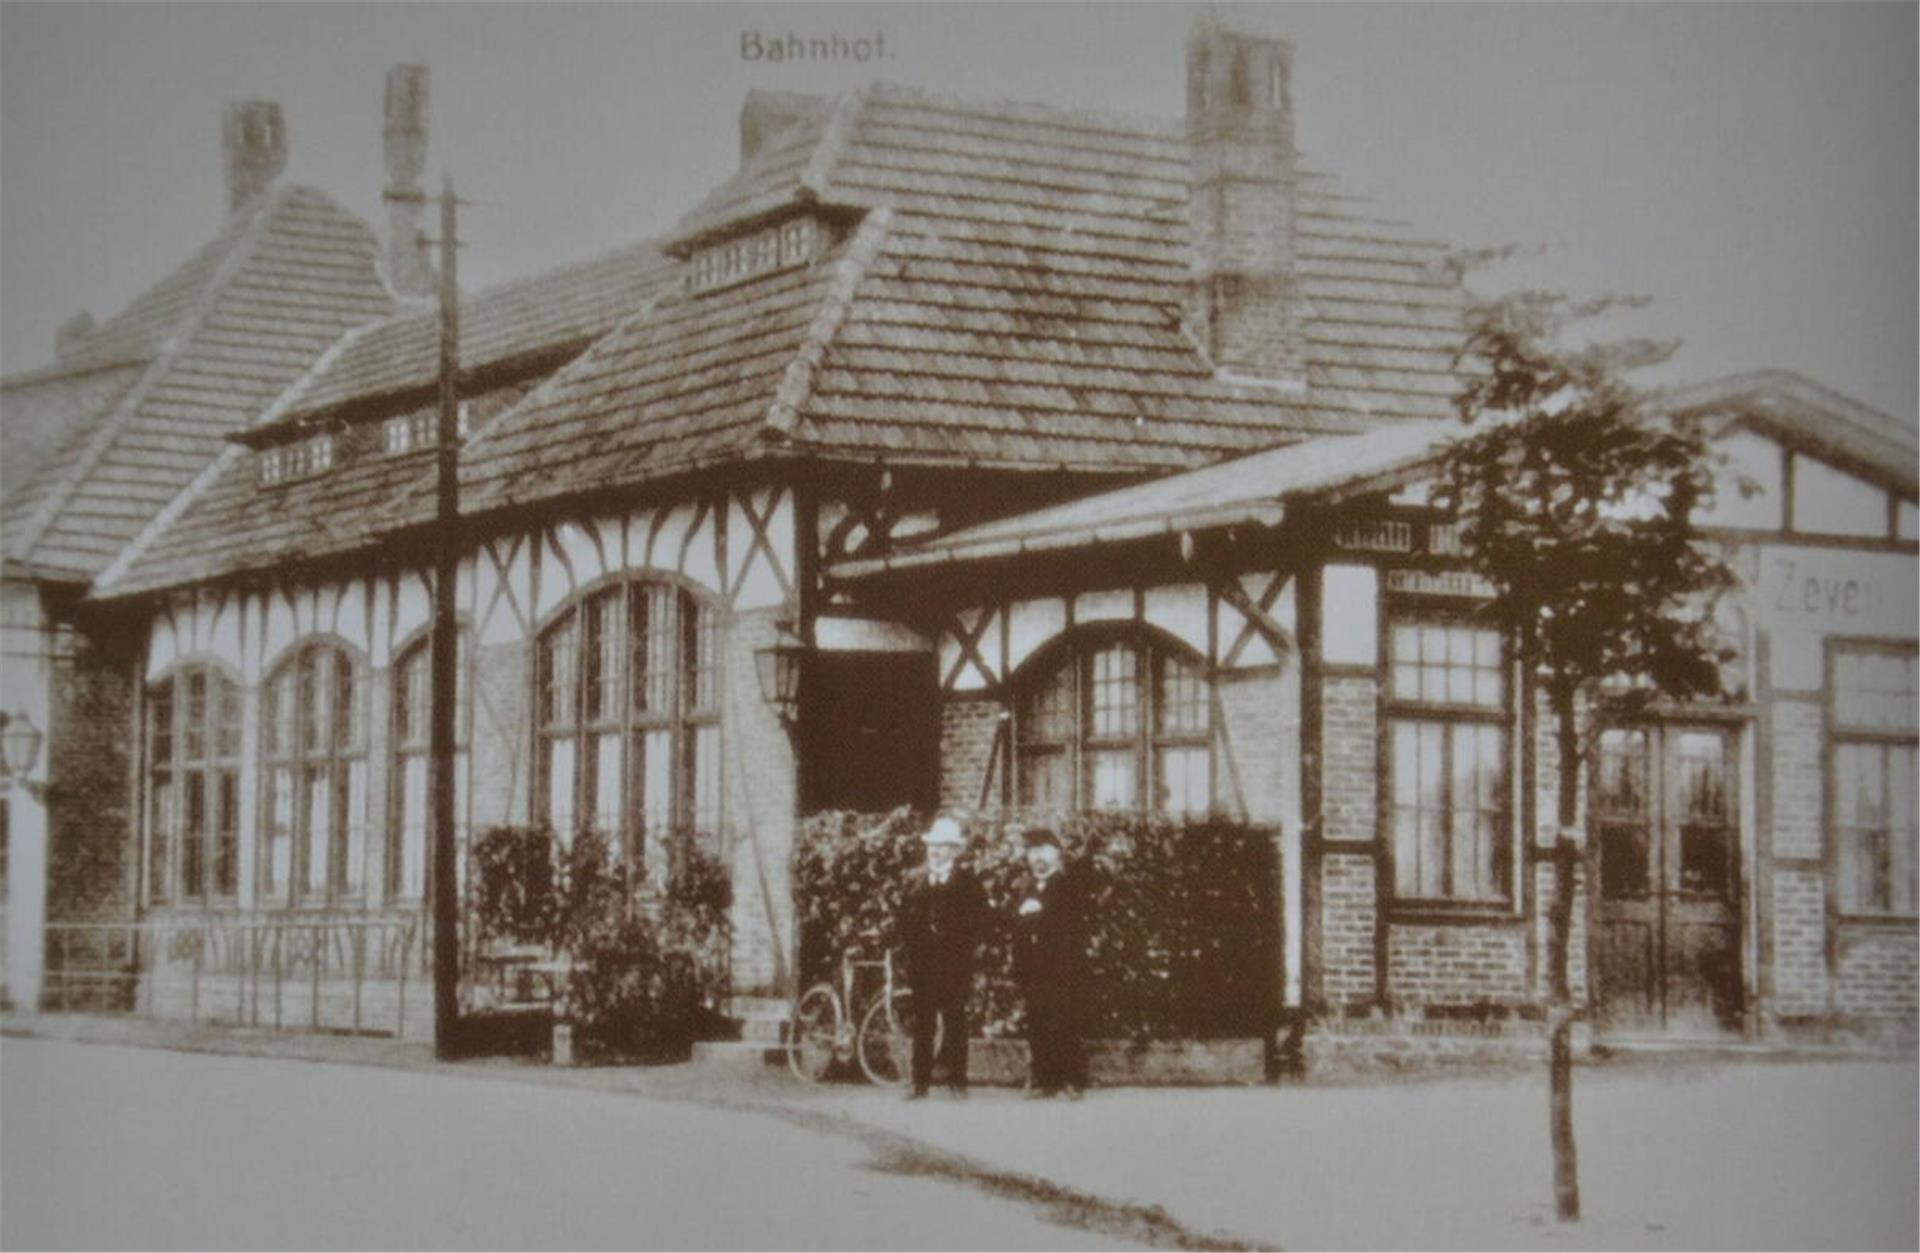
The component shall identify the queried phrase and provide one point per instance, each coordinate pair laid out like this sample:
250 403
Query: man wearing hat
941 918
1049 960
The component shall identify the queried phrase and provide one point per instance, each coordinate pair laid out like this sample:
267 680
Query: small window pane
560 782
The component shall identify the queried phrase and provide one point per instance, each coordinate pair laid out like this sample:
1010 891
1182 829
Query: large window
628 717
314 810
407 857
193 786
1111 723
1447 746
1874 737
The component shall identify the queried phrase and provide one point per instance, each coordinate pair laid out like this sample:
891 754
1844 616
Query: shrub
1183 915
648 963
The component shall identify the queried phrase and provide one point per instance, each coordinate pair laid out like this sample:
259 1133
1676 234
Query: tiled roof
558 309
1019 303
247 316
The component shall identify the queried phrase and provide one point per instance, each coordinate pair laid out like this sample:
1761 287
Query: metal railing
316 974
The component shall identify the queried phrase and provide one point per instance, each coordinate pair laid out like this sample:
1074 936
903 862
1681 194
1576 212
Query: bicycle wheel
886 1040
813 1034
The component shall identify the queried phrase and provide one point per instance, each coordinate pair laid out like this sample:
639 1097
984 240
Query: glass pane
1475 816
1406 644
1874 691
227 739
1048 716
159 840
1701 808
412 878
353 826
1183 781
605 788
697 647
706 779
1859 785
318 829
652 632
160 719
193 834
1901 835
1418 808
1182 698
277 862
194 725
1115 708
560 783
656 799
556 676
1044 785
601 656
226 825
346 704
1112 781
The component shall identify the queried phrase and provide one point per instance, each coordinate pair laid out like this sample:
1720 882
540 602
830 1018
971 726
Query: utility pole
444 646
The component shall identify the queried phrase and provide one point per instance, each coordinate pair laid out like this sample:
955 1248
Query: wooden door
1665 820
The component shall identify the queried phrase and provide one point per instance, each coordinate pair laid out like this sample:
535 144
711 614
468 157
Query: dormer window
409 432
299 460
783 247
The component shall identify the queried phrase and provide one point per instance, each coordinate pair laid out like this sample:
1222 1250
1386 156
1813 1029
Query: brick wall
1348 910
1797 784
89 764
967 732
1877 972
1799 942
1457 965
1350 757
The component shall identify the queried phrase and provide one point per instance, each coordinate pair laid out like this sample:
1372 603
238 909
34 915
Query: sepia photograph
943 626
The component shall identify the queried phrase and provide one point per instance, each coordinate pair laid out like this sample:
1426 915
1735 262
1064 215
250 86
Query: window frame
683 667
1396 710
164 855
1840 735
338 759
1150 740
402 748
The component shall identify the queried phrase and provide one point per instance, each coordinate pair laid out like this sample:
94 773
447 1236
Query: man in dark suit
941 919
1050 961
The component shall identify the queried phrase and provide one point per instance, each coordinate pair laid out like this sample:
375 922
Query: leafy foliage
647 964
1182 915
1576 502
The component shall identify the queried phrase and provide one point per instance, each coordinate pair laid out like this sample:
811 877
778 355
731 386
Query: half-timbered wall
1239 629
737 550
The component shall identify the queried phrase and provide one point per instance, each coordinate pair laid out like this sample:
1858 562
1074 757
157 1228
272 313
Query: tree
1576 500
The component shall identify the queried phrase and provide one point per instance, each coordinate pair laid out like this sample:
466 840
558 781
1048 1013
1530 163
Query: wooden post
446 938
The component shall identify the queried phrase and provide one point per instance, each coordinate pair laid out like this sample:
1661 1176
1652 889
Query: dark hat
1033 837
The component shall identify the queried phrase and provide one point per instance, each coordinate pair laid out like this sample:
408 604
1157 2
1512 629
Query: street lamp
19 746
778 666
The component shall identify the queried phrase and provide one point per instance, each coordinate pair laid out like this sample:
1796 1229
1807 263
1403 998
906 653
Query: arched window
193 785
628 717
1115 723
407 856
314 810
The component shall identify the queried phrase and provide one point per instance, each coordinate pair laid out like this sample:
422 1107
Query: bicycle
822 1032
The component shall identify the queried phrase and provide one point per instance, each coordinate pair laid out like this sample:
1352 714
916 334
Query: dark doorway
872 731
1666 824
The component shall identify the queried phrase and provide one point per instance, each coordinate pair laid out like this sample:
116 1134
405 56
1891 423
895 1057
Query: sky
1750 167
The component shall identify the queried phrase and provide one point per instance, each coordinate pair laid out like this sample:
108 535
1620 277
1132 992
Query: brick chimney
1241 202
409 267
767 113
255 140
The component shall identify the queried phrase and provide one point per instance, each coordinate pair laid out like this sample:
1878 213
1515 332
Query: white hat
944 831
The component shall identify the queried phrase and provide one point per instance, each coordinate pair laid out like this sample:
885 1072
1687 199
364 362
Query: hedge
1184 920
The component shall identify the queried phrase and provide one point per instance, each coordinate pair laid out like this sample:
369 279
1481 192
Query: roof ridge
157 525
1112 121
796 384
833 140
109 430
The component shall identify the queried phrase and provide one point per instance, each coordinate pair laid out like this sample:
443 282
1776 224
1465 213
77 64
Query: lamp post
20 742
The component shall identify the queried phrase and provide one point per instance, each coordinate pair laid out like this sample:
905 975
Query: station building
1076 460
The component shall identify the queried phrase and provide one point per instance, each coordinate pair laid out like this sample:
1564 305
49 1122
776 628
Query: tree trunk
1561 1014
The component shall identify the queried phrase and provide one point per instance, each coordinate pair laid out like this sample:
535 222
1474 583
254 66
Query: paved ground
1675 1153
108 1147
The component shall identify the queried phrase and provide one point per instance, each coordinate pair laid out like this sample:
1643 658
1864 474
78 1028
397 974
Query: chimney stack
409 265
1241 206
71 334
255 140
